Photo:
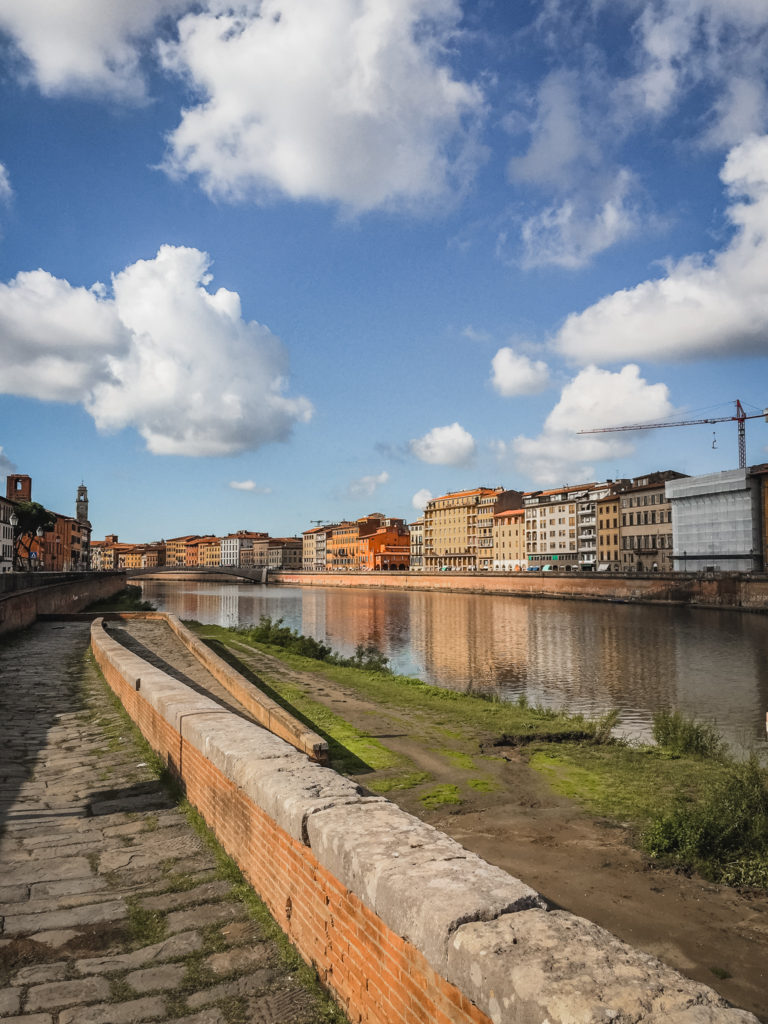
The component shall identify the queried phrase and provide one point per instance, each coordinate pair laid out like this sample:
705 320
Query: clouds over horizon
706 305
161 354
594 398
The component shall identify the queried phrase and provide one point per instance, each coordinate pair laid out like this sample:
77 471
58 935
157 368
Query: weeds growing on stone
145 927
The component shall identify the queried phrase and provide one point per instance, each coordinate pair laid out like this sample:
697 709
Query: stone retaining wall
403 925
50 595
737 591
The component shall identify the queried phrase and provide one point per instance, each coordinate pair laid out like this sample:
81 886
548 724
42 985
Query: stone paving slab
108 897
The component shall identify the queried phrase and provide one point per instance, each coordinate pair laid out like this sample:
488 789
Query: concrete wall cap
290 792
421 883
536 966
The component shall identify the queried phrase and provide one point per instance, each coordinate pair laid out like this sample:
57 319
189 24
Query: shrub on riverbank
128 600
724 834
682 735
273 632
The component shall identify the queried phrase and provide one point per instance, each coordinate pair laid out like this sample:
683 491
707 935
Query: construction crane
741 417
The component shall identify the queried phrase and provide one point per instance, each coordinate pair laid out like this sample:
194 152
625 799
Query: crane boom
740 417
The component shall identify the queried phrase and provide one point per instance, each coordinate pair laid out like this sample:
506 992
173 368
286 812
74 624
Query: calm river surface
583 656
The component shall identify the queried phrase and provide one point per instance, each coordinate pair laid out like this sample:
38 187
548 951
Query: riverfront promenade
113 909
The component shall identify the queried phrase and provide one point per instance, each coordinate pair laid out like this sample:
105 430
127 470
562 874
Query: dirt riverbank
490 800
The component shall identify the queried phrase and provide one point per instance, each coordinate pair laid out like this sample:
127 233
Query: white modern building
716 522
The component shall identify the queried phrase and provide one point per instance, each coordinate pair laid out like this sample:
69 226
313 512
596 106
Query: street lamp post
13 519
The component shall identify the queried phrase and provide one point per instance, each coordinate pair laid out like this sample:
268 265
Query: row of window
644 518
632 501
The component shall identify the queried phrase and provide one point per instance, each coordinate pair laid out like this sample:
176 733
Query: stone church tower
81 506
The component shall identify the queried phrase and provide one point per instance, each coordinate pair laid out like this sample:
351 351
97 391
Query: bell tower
81 505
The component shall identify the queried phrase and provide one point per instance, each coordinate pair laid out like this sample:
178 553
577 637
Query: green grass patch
440 796
390 784
625 783
459 759
463 715
482 785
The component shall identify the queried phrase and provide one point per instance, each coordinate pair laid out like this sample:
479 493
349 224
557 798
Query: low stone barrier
266 711
43 594
402 924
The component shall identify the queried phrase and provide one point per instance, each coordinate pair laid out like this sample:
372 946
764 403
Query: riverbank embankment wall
740 592
402 924
34 594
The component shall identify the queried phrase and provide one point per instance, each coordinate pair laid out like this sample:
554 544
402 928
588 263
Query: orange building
67 546
176 549
209 551
202 551
342 549
386 549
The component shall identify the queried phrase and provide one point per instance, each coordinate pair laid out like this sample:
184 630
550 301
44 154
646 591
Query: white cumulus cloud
516 374
594 398
249 485
347 100
85 46
576 229
421 499
162 354
445 446
5 185
367 485
6 466
705 305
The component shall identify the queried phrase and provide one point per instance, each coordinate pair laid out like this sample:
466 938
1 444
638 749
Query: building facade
176 549
646 523
416 530
717 521
458 530
509 554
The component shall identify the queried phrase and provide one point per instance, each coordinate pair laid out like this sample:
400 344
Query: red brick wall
377 977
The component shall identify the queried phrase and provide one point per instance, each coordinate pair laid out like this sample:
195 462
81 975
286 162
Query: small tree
32 516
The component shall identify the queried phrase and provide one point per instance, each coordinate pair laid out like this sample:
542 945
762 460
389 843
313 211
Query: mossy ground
636 786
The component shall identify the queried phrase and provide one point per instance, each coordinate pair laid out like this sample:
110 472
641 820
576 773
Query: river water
583 656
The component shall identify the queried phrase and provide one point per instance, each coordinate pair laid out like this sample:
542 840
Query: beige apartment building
458 529
417 544
646 524
509 553
314 547
609 532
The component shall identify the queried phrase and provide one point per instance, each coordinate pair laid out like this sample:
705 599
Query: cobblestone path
113 909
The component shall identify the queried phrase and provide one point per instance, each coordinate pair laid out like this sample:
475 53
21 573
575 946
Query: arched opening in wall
401 567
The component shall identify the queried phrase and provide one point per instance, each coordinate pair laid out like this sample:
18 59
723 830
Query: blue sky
271 262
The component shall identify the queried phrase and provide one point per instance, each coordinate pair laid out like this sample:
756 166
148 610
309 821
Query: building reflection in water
581 656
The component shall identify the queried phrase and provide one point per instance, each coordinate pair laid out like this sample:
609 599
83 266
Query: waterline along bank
742 591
